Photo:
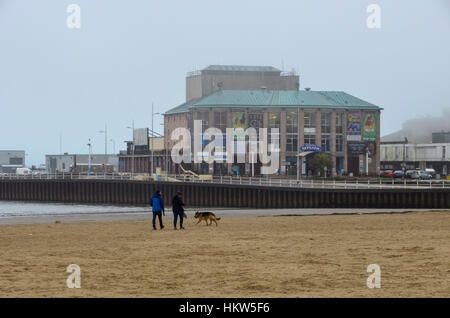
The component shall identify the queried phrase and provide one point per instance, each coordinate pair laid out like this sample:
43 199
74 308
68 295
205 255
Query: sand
292 256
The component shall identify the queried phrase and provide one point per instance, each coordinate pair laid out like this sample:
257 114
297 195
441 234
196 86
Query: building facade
238 77
10 160
398 155
345 127
80 163
139 159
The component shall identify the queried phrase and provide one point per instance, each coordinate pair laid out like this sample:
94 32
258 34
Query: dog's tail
218 219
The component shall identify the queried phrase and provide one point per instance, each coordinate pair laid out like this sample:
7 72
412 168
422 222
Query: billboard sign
310 147
369 132
354 127
356 148
239 121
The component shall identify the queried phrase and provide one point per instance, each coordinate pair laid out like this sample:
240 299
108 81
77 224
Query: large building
10 160
344 126
238 77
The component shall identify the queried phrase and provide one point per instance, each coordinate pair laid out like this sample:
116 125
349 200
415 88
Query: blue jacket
157 203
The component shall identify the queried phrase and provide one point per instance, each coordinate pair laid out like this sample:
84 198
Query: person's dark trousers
159 215
175 218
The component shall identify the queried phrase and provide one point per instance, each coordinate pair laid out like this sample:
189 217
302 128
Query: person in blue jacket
157 204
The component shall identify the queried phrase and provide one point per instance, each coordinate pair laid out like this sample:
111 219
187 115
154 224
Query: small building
139 159
10 160
396 155
80 163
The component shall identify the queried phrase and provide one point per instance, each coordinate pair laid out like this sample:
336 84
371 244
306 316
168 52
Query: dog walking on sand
206 216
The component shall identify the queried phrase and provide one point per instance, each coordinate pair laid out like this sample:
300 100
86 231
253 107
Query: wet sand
272 256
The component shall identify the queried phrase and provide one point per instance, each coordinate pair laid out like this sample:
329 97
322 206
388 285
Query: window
339 143
310 139
16 161
274 122
220 121
291 143
291 131
339 132
291 123
326 146
326 123
204 117
309 119
339 122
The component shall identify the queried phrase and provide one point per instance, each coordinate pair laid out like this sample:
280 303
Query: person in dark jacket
157 204
178 210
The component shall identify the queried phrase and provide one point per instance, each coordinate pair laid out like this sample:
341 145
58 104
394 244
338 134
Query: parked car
424 175
412 174
23 171
431 172
387 174
398 174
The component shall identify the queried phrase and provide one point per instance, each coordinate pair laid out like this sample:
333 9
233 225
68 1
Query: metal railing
374 183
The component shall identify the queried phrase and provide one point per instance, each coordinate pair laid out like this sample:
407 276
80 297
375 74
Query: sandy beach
271 256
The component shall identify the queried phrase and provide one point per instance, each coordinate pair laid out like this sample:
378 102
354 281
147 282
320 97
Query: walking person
178 210
157 204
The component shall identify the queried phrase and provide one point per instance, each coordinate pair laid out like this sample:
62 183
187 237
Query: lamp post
132 147
89 157
106 147
153 135
114 145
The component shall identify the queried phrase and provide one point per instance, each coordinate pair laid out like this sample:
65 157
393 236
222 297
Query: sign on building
354 127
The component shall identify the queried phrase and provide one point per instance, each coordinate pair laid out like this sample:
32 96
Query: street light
132 147
153 134
114 145
89 156
106 145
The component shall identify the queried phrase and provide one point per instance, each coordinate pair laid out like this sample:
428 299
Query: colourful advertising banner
369 127
354 124
239 120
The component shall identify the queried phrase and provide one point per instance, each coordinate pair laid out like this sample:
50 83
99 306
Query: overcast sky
129 54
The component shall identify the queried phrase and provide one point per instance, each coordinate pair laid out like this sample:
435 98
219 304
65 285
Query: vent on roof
307 89
263 88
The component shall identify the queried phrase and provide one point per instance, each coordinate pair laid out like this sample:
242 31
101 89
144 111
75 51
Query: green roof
274 99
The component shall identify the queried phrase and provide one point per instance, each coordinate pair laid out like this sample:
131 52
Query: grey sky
130 53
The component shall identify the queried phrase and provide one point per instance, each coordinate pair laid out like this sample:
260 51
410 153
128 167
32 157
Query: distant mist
419 130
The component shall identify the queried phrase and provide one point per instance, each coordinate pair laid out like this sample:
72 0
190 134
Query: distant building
238 77
10 160
440 137
139 160
79 163
394 155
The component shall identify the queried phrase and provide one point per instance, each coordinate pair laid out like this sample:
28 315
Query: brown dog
205 216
